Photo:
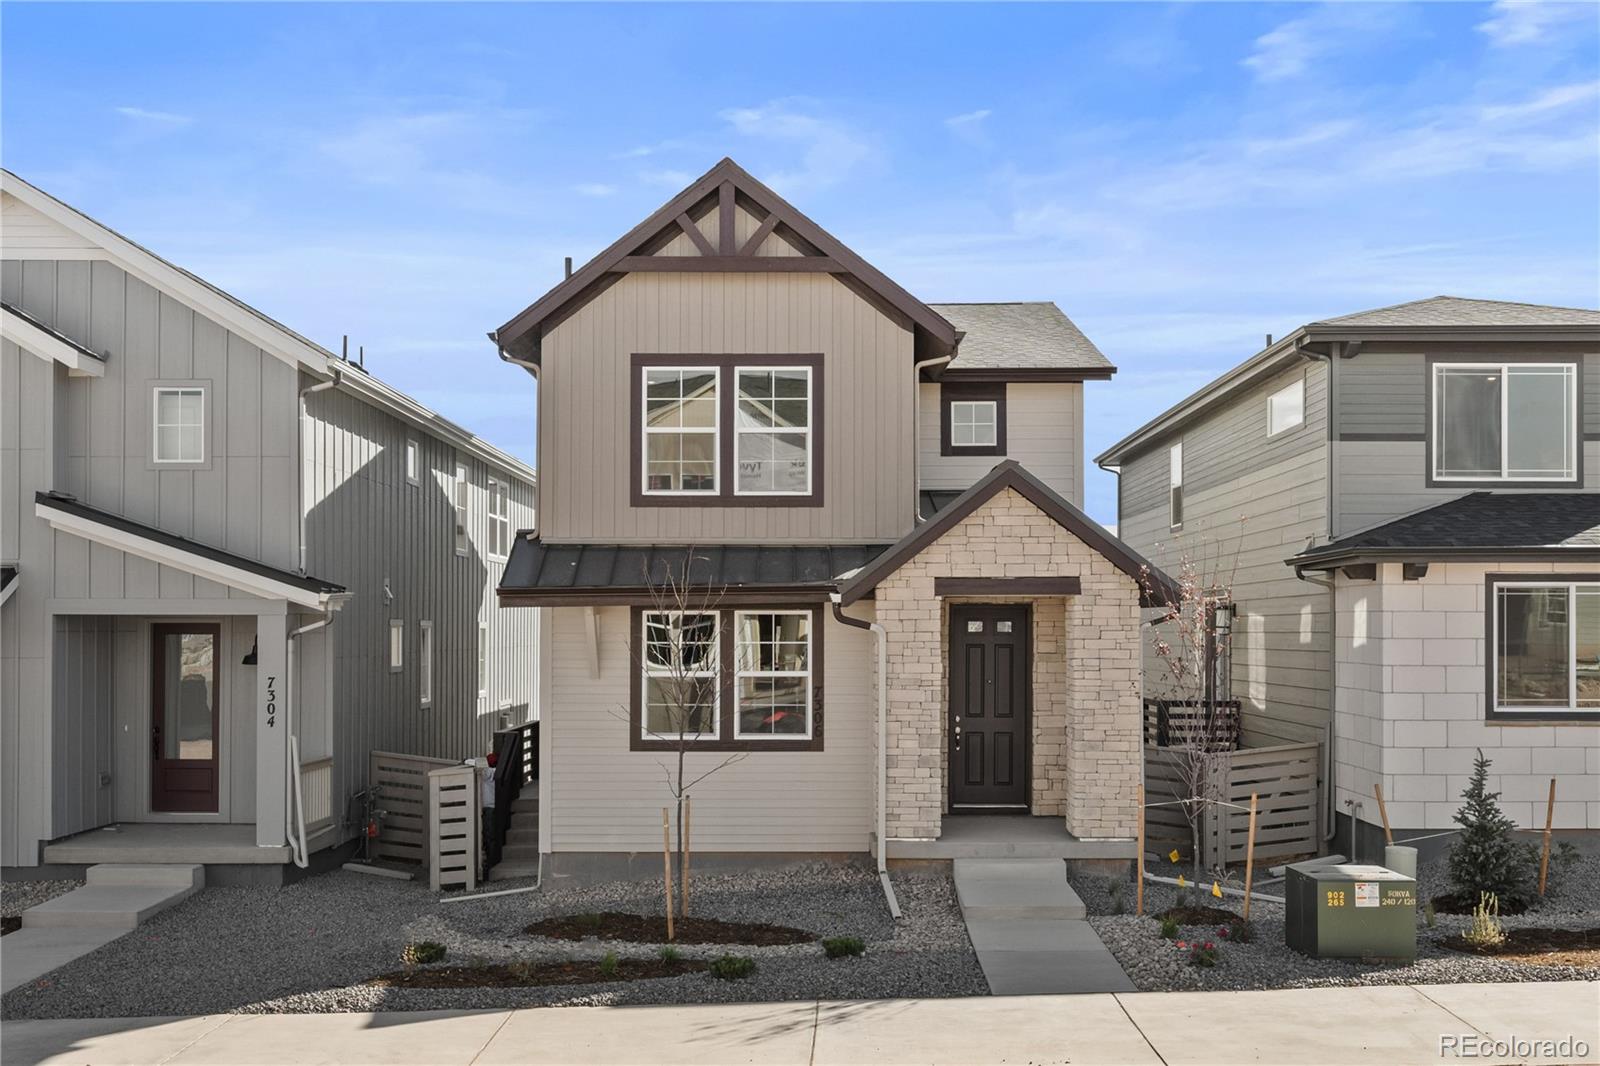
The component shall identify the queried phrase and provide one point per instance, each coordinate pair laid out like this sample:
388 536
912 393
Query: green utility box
1349 911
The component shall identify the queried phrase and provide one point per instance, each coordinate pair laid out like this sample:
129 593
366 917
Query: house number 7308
272 701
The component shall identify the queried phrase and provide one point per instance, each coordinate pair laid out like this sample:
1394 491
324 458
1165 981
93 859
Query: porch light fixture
250 656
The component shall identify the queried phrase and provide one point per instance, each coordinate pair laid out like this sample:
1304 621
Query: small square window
1002 627
180 423
974 423
1286 408
975 626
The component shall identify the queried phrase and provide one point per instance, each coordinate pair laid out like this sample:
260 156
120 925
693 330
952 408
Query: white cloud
970 118
154 118
1518 22
387 148
1292 48
829 150
1550 100
671 179
594 188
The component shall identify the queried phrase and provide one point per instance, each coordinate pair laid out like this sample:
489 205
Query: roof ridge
1449 296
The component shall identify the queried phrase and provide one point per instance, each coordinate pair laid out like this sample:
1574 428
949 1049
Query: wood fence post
666 862
1549 821
1138 891
1383 812
1250 857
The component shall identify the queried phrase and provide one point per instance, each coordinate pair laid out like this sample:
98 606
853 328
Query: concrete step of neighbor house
510 871
515 853
117 898
527 803
516 835
1015 888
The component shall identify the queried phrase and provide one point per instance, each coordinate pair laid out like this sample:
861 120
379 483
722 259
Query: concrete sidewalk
1392 1026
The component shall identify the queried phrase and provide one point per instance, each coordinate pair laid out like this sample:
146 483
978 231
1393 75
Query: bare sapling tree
1191 647
678 661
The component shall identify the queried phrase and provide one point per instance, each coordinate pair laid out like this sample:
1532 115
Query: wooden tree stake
683 867
1549 821
1138 890
1250 857
1383 812
666 862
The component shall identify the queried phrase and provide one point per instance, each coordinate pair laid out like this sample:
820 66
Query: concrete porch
144 842
1003 836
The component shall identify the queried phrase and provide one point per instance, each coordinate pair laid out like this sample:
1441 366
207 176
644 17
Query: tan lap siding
605 798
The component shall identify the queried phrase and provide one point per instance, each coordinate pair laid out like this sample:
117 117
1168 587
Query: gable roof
1452 319
1026 336
1485 526
1155 588
266 333
720 189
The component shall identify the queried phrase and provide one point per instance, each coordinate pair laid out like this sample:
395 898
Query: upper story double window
1504 422
724 430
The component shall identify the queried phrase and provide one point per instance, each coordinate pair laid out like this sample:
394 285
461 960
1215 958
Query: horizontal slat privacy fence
453 818
1284 780
402 783
316 788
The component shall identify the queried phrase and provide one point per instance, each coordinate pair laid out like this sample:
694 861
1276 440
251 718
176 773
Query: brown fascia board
1012 475
1334 560
643 596
588 279
1025 374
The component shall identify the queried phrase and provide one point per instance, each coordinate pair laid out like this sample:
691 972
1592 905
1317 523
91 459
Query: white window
180 425
413 461
1505 422
425 663
483 659
772 431
1546 647
397 644
499 519
772 674
974 423
1175 481
1286 408
682 687
681 425
462 488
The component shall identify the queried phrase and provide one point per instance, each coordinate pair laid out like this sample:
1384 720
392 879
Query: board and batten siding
1044 432
372 530
584 432
1250 502
605 798
1381 450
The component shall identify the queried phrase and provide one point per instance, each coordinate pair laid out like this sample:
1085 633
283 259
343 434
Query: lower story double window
1545 646
730 679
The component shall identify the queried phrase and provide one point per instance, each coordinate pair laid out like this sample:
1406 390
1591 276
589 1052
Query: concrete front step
108 906
525 804
507 871
522 836
173 875
1015 888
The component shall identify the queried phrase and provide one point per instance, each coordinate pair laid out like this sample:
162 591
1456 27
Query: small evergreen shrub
837 947
1169 928
668 953
608 964
422 952
732 967
1485 858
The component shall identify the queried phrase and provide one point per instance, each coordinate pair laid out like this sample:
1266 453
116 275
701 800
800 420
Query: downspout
294 823
538 401
882 636
916 436
1333 671
300 465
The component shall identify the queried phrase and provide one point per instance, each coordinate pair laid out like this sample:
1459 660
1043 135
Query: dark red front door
989 679
183 717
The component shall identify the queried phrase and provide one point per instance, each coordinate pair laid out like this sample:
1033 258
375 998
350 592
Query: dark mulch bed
1192 915
9 925
652 929
1467 902
1574 947
586 972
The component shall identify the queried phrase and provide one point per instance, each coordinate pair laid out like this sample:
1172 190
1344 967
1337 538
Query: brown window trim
727 711
952 391
1469 485
727 391
1490 636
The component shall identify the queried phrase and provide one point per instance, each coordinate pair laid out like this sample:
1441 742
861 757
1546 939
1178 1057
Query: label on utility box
1366 893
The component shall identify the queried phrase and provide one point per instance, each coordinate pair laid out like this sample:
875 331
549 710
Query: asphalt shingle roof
1459 311
1482 521
1020 336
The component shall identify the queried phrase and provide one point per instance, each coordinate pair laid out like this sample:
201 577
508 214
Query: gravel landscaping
311 947
18 896
1156 965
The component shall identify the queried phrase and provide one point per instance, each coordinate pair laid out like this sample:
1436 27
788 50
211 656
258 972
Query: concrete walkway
1390 1026
1027 926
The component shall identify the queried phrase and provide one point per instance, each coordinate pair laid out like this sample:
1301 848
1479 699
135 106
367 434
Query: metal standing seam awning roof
540 574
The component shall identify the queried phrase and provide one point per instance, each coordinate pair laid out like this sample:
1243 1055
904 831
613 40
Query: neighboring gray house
1406 503
192 496
849 466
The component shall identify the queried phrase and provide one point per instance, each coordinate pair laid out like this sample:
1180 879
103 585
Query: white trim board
44 345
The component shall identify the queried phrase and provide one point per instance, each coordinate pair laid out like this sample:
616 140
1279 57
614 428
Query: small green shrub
1169 928
1486 857
837 947
732 967
608 964
669 953
589 923
1486 930
422 952
1429 918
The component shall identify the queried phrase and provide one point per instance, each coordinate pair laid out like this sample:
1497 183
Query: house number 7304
272 701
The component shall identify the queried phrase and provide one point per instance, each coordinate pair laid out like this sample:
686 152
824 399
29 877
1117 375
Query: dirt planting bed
652 929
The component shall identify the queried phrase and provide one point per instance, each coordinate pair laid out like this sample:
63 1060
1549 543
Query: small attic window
972 418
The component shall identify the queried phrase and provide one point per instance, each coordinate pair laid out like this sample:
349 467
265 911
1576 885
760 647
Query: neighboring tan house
188 485
1428 476
729 379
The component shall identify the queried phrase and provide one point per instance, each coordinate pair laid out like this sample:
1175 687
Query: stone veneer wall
1085 744
1409 704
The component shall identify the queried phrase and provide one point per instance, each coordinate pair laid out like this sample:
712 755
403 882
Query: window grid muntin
740 431
711 670
965 416
740 673
1568 372
714 431
1574 705
197 426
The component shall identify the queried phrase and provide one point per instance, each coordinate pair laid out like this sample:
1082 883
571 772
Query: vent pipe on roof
568 266
1269 340
344 348
361 355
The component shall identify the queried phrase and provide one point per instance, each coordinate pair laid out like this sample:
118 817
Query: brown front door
183 717
989 680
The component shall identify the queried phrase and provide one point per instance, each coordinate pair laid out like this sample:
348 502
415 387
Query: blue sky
1181 179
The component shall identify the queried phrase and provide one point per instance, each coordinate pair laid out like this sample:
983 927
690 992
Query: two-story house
1405 503
233 563
893 605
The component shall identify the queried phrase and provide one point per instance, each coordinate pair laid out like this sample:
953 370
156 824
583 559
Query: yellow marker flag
1216 890
1173 854
1181 882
